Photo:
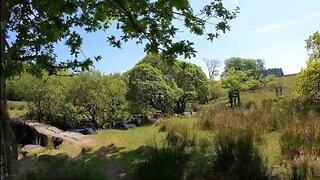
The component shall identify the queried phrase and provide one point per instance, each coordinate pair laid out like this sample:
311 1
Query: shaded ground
110 154
107 162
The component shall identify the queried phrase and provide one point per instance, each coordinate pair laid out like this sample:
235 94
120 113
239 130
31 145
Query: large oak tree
39 24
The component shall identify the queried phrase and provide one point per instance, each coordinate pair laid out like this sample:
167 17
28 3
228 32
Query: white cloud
285 24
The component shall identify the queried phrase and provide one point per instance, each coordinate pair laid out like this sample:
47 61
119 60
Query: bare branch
212 65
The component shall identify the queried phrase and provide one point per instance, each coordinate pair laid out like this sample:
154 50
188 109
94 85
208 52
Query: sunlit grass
17 108
131 138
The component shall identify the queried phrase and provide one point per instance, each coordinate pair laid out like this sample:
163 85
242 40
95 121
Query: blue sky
273 30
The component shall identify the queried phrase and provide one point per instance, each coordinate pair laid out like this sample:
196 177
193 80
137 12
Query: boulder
30 147
42 134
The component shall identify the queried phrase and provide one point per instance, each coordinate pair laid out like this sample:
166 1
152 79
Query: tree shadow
108 162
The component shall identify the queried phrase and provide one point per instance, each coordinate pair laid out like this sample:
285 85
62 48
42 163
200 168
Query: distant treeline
272 71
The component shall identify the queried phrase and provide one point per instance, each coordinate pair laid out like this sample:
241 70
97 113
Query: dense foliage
239 81
313 46
147 89
242 74
87 99
252 67
186 81
277 72
309 83
309 79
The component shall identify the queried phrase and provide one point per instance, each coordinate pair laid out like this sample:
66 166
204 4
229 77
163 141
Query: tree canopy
252 67
313 46
308 85
38 25
148 89
189 80
238 81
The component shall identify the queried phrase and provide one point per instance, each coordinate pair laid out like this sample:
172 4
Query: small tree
148 88
313 46
101 98
190 79
308 85
238 81
252 67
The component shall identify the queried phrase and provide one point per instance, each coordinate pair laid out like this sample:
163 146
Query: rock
25 150
30 147
188 114
42 134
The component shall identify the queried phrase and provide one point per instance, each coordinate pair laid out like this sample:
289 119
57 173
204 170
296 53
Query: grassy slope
288 83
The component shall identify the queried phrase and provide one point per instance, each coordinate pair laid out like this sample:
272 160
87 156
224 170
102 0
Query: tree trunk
8 153
180 106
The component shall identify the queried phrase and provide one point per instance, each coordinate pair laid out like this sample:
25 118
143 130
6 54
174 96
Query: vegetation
309 84
219 143
39 25
251 67
92 99
157 84
269 136
147 88
89 98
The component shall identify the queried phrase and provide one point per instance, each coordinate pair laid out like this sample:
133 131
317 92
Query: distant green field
287 82
17 108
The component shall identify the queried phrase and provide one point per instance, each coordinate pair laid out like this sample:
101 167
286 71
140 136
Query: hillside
288 83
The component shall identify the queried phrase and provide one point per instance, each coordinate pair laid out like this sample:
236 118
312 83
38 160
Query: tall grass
163 163
236 157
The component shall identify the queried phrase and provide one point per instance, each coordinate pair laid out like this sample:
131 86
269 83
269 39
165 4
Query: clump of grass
164 163
229 120
301 139
236 157
181 132
301 171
